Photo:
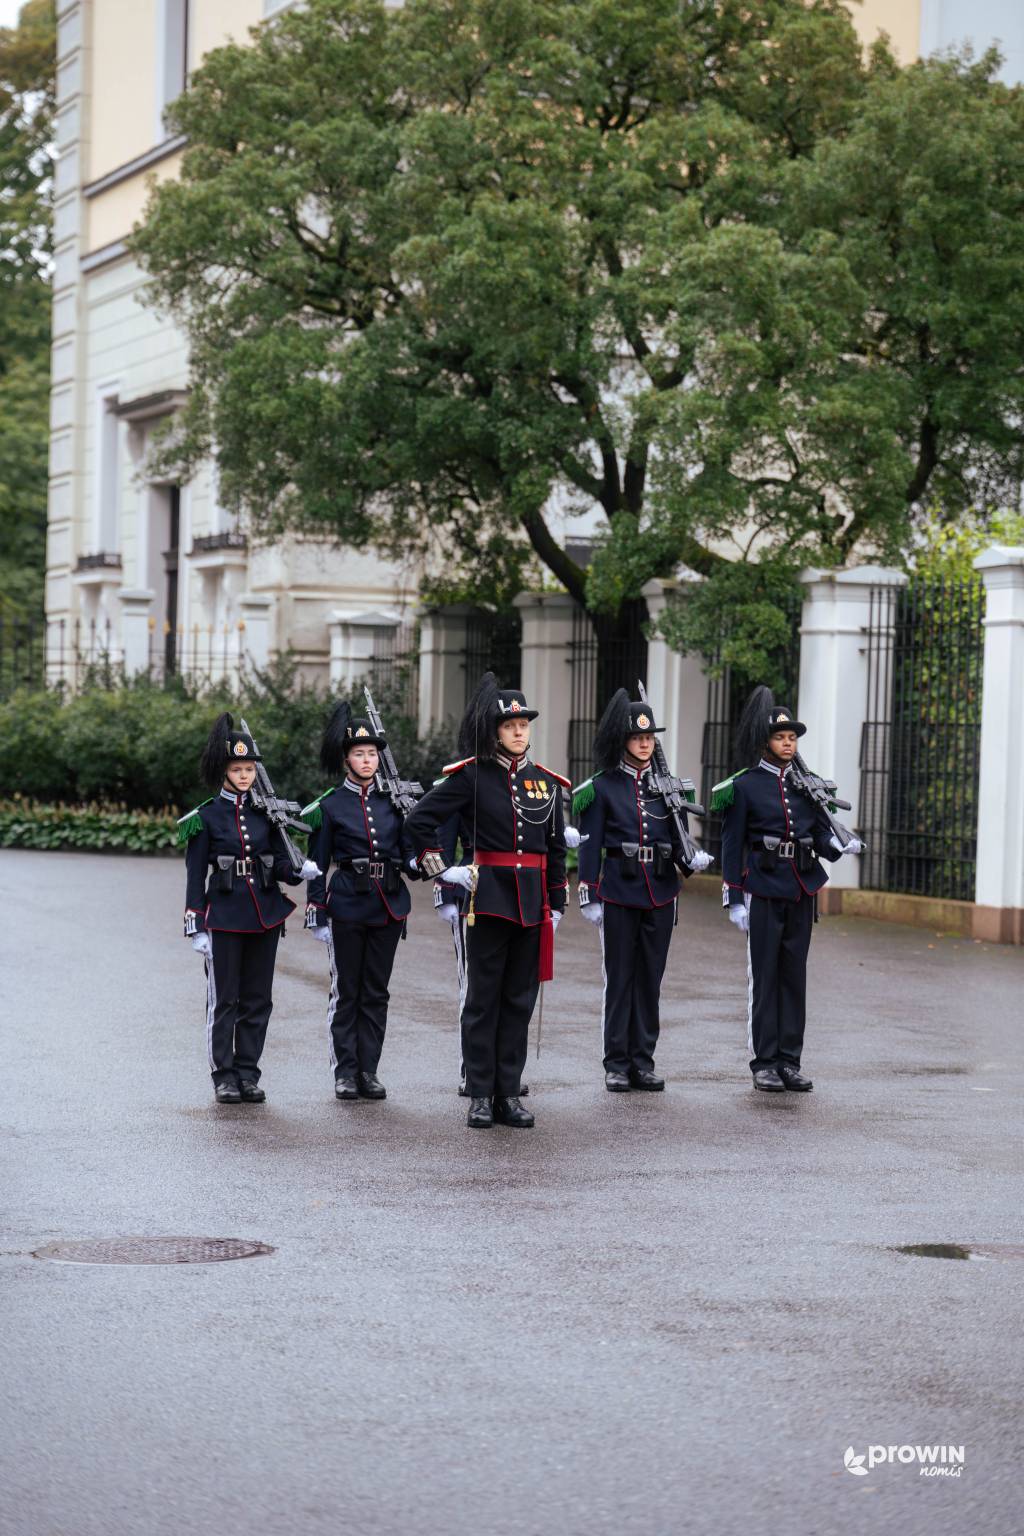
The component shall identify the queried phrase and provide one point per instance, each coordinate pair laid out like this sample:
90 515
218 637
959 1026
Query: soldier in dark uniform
361 915
512 810
773 840
631 898
235 919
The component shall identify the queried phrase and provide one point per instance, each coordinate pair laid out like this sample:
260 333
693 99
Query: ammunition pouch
664 864
265 870
224 879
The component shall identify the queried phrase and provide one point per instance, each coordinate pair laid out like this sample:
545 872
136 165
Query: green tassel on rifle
191 823
312 815
583 794
722 794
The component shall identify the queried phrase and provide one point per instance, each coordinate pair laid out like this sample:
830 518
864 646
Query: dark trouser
362 959
239 988
502 967
777 945
634 944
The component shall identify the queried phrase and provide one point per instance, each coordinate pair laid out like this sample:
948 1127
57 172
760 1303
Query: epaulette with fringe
312 815
558 777
191 823
583 794
722 794
450 768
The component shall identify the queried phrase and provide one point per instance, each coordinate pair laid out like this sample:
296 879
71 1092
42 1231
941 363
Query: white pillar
442 665
254 624
136 628
354 640
677 687
546 674
999 884
834 682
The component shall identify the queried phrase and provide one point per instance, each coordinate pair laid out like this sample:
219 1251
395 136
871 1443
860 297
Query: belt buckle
242 868
376 871
645 853
787 850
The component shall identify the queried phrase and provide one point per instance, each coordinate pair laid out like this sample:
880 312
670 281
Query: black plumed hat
332 743
612 731
761 716
225 746
479 725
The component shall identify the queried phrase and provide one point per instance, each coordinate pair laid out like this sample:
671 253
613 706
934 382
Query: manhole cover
964 1250
152 1250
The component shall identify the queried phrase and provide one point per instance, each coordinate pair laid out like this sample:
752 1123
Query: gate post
442 665
677 685
999 881
834 675
546 682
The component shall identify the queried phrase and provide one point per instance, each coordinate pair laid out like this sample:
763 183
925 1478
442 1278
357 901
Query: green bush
137 743
29 824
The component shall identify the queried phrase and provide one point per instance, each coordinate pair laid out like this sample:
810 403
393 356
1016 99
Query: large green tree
27 81
700 267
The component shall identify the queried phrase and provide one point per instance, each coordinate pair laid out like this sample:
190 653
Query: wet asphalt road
652 1314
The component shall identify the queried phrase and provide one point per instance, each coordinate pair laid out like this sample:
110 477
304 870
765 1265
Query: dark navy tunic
627 809
358 822
514 806
244 857
764 805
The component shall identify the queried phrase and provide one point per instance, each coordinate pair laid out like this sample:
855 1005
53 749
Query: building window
108 473
172 44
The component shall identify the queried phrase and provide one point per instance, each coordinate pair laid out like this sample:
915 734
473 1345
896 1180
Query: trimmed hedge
137 743
28 824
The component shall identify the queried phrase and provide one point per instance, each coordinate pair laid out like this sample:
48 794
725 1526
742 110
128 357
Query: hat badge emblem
782 716
362 731
515 706
643 721
241 750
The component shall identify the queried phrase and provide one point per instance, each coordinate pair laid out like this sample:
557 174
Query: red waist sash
546 957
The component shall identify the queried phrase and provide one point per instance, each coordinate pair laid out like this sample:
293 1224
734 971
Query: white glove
700 861
593 912
449 912
459 874
556 918
853 846
323 934
740 918
573 837
202 943
309 870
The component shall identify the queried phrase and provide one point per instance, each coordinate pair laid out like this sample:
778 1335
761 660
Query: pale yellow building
151 568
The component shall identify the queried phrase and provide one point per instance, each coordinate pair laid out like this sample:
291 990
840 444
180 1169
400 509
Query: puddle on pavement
976 1251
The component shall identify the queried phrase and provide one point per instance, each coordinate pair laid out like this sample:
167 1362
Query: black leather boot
371 1087
794 1079
227 1093
512 1112
346 1088
481 1115
252 1093
768 1080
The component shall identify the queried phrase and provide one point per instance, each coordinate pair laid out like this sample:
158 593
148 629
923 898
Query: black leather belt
781 849
642 852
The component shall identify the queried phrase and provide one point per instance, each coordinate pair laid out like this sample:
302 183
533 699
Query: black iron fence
395 665
73 653
726 696
494 643
606 652
921 741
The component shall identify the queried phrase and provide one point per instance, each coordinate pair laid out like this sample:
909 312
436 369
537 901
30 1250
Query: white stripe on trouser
211 1005
750 986
459 941
332 1002
604 981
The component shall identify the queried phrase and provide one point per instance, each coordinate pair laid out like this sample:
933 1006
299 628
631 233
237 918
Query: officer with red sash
512 807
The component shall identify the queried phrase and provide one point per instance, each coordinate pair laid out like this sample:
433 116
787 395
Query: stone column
677 686
136 620
999 884
256 613
442 665
834 682
546 674
353 642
